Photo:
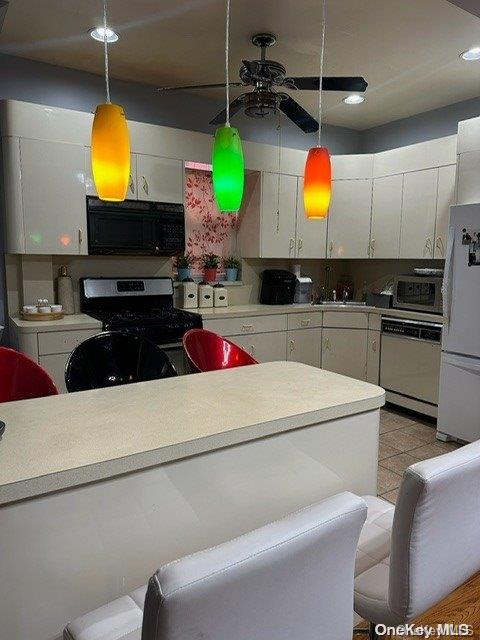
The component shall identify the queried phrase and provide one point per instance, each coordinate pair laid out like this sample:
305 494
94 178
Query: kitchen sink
348 303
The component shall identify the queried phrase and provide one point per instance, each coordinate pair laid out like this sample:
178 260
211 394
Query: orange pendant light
110 152
317 186
110 142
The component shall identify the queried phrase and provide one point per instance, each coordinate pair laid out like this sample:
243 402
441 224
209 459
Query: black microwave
135 227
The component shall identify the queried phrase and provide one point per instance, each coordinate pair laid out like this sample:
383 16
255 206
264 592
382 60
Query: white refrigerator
459 396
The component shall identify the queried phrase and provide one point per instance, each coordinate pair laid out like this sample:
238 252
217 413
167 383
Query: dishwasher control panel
428 331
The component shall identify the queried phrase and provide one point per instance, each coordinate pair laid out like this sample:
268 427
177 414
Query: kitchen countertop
83 321
67 440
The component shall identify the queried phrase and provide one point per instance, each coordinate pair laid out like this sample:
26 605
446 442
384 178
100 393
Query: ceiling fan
264 75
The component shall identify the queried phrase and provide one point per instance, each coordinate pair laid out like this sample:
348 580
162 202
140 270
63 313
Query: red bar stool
22 378
207 351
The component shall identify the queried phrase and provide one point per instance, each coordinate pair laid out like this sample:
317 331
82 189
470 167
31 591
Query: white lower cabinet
344 351
373 357
305 345
264 347
55 365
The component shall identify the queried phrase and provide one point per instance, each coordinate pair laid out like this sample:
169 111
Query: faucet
344 296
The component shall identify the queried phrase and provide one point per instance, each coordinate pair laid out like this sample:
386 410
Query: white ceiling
407 49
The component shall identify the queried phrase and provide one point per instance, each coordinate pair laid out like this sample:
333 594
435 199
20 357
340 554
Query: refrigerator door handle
448 278
462 363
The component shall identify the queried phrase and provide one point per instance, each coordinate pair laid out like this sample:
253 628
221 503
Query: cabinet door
55 366
160 179
264 347
345 351
373 357
279 201
53 192
305 345
386 217
446 197
349 219
90 184
311 234
418 214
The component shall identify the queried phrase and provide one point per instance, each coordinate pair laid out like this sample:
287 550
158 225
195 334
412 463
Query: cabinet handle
292 245
145 184
247 327
440 245
132 186
278 220
300 244
331 248
292 345
374 345
326 344
372 247
428 247
80 236
304 323
252 349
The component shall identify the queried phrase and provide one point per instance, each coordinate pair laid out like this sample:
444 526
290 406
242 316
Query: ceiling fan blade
199 86
235 106
298 115
332 83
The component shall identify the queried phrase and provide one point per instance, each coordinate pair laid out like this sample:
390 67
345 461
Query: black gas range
143 306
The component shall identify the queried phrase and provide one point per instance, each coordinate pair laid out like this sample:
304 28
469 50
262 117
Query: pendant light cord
320 78
227 75
105 44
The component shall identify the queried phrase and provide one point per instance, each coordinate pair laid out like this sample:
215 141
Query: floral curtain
207 229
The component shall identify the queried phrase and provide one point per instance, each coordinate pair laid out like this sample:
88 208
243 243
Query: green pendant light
227 158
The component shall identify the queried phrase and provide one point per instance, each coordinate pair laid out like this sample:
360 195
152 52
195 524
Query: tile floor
405 438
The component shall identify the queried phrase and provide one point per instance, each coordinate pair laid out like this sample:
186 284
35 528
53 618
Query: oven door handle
447 286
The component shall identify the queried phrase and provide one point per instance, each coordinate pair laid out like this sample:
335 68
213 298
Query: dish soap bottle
65 291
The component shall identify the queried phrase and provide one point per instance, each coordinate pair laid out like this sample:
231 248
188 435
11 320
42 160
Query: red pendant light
317 185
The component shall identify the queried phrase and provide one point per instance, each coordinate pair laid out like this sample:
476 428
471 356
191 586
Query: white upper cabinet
278 213
53 194
311 234
132 193
418 214
349 219
160 179
386 217
446 197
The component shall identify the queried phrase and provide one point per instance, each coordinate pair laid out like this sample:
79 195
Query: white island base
65 553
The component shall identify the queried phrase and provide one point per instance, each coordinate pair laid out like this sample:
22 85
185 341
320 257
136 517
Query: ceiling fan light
354 98
317 186
228 169
471 54
110 152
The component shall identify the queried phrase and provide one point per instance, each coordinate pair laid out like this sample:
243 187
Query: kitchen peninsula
118 481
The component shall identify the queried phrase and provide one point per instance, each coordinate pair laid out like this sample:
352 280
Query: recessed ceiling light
354 99
471 54
99 34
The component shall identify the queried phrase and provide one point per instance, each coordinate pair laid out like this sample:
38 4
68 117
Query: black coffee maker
278 287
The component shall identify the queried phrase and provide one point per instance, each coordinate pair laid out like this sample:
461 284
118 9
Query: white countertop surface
82 321
62 441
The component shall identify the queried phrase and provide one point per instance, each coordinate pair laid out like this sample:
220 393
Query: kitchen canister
220 296
189 294
65 291
205 295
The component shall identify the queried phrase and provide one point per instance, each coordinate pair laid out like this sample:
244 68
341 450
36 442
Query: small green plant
184 260
210 260
231 262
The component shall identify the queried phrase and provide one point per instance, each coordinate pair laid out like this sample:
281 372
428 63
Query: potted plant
232 265
184 265
210 265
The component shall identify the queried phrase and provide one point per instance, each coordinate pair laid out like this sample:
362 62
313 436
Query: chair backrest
22 378
289 579
112 358
207 351
436 531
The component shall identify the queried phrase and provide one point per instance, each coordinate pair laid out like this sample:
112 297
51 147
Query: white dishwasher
410 363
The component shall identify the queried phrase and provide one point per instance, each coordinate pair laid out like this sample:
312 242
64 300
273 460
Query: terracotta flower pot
210 274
